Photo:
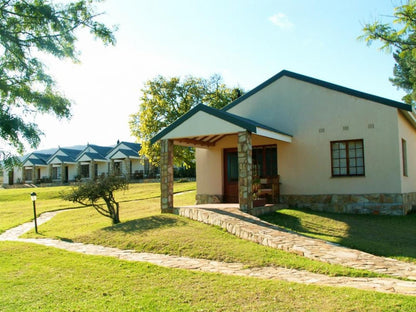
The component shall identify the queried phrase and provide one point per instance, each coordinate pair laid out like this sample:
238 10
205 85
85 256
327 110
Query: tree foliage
164 100
29 29
400 39
99 194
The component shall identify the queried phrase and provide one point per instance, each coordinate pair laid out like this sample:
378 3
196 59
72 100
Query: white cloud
281 21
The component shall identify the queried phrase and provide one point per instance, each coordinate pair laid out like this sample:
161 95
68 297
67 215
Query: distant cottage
303 142
64 165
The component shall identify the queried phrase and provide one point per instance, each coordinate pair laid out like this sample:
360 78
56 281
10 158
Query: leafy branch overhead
399 37
164 100
28 29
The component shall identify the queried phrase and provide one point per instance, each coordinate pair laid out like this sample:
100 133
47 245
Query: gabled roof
131 151
69 157
247 124
323 84
36 159
98 152
102 150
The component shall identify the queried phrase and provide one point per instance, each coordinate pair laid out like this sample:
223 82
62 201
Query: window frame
404 158
348 174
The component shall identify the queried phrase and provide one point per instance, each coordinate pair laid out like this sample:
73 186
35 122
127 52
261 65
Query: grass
46 279
143 228
388 236
16 206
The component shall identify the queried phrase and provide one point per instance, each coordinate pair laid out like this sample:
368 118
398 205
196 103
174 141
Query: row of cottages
64 165
303 142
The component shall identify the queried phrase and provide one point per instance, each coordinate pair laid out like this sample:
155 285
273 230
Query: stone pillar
34 175
166 175
128 168
50 171
62 173
79 169
112 167
92 170
245 173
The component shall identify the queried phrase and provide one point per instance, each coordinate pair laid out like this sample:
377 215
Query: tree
28 30
93 193
164 100
400 39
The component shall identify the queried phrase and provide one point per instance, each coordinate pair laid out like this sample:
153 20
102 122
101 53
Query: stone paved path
386 285
252 228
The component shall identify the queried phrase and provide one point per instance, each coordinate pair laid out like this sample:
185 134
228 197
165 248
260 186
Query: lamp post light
33 197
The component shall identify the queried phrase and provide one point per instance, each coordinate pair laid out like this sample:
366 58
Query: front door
230 175
264 166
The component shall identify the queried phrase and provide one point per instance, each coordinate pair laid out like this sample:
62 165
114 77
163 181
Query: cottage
63 165
303 142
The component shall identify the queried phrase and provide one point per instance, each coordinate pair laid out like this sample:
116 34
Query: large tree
29 29
166 99
399 37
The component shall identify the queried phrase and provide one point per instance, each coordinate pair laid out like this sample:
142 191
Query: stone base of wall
384 204
208 199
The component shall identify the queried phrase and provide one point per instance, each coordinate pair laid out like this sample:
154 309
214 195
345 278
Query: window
85 171
265 161
347 158
56 173
404 157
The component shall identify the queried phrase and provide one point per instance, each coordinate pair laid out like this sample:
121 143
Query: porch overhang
204 126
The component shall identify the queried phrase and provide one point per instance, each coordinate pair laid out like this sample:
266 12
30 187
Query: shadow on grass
388 236
145 224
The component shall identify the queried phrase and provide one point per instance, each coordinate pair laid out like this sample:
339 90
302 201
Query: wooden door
230 175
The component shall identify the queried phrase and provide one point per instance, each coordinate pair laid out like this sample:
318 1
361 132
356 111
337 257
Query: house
35 166
92 161
305 143
125 160
63 165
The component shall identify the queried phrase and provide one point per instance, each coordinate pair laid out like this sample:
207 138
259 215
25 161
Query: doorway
264 159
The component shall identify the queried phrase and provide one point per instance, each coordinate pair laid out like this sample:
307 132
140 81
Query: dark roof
323 84
71 155
134 146
42 156
245 123
102 150
129 152
93 156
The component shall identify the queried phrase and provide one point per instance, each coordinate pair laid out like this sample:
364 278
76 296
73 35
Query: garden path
386 285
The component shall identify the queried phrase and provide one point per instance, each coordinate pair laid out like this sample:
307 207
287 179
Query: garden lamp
33 197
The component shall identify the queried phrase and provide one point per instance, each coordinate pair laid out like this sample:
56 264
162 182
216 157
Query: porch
230 139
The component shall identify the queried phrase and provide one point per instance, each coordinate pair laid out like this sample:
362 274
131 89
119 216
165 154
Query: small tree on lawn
93 193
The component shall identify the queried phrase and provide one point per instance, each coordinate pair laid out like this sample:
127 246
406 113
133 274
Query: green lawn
144 229
388 236
37 278
16 206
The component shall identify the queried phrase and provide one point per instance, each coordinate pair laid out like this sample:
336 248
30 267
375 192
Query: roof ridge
321 83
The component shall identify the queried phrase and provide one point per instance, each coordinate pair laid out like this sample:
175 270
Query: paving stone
385 285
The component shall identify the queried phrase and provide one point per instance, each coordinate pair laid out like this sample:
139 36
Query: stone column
79 169
50 171
166 175
92 170
34 175
111 167
245 173
128 168
62 173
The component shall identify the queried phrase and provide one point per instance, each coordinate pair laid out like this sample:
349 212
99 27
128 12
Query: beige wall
408 133
202 123
302 109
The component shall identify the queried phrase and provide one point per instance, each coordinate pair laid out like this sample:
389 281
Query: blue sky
245 41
